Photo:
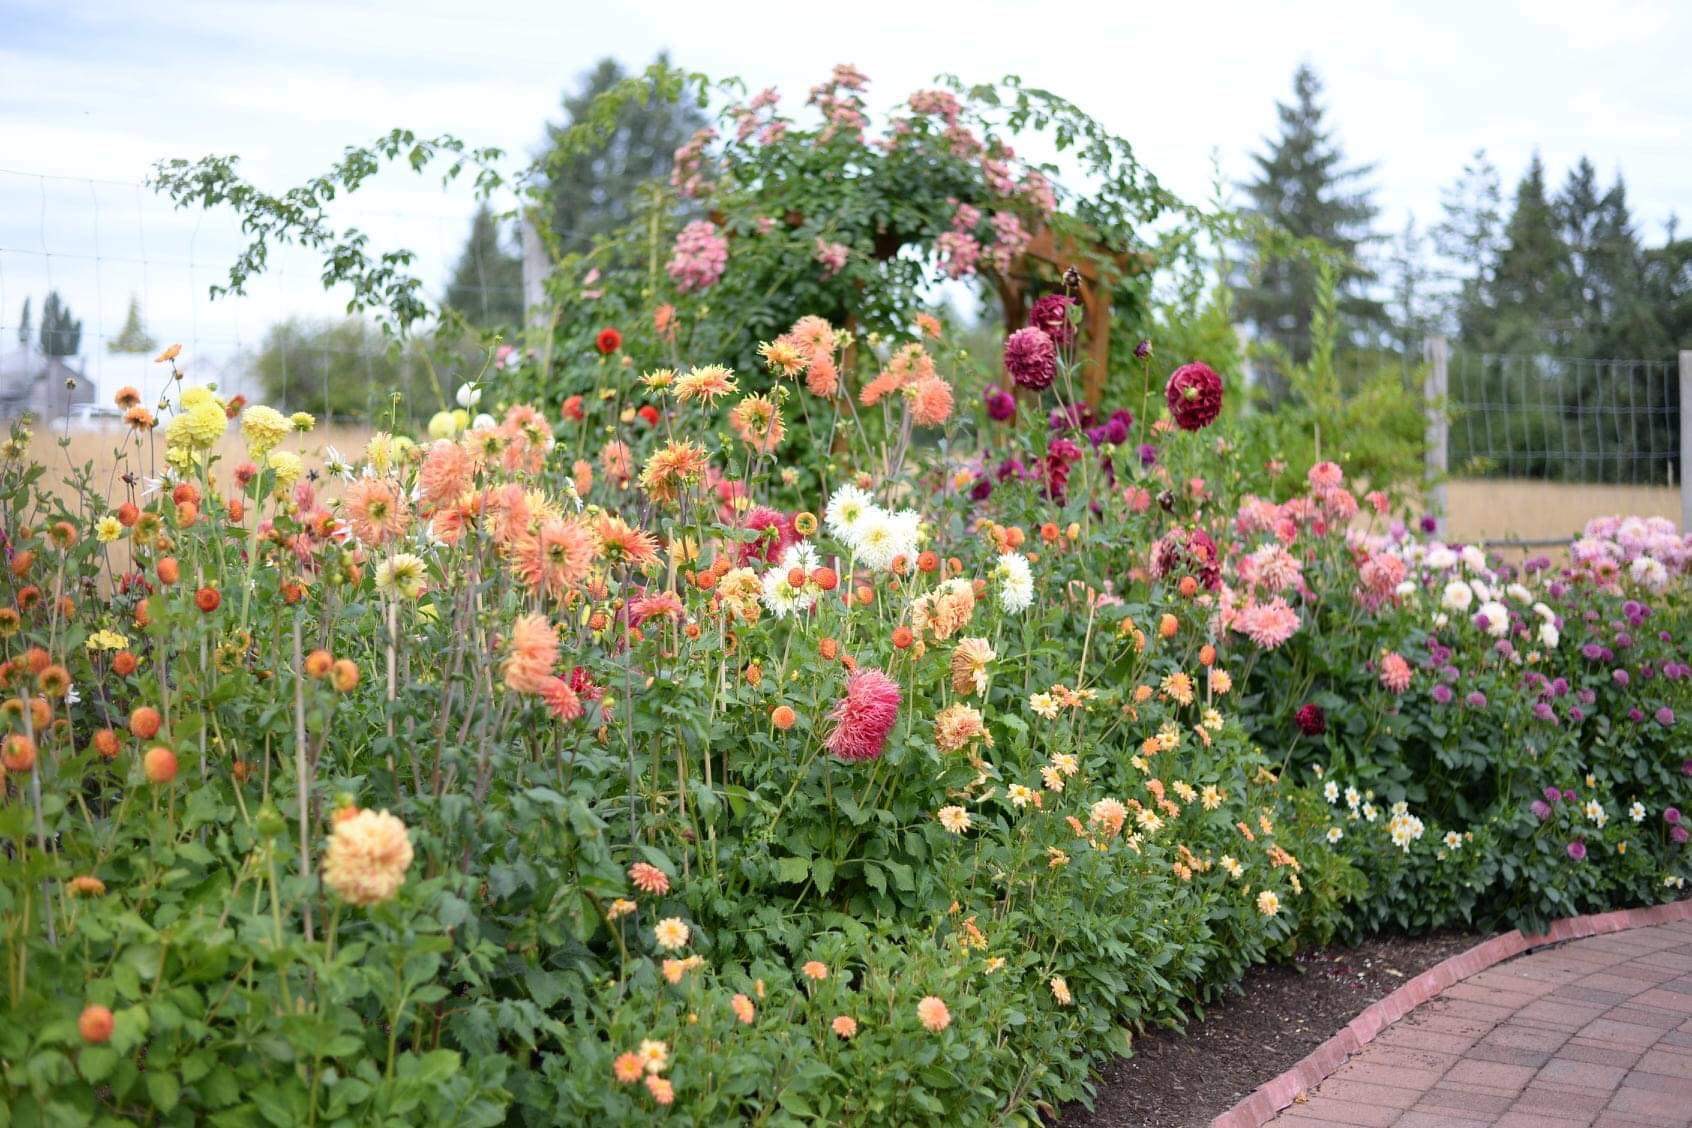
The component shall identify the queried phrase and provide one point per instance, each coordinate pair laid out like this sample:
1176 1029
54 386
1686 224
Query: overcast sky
95 92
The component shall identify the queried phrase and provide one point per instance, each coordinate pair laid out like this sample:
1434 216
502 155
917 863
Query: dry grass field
113 452
1492 509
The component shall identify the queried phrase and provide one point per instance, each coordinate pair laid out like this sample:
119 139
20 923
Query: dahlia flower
1051 316
933 1015
865 715
367 857
1194 395
1031 358
1016 582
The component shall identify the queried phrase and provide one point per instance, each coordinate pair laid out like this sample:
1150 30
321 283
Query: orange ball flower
783 717
318 663
106 743
95 1024
343 675
825 578
124 663
902 638
18 753
1167 626
159 764
169 570
207 599
144 722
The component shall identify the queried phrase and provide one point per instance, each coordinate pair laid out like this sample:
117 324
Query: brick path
1594 1032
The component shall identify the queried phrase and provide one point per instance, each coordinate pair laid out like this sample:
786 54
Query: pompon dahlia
1194 394
368 855
1031 358
1051 316
1310 719
864 717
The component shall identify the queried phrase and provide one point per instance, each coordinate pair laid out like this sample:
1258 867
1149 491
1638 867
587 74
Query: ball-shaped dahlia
1194 394
1310 719
1051 314
1031 358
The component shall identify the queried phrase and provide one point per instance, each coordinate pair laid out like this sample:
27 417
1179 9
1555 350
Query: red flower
608 341
207 599
1194 394
648 413
573 409
1051 314
1310 719
1031 358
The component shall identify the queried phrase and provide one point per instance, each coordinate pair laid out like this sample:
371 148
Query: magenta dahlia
1031 358
1051 315
1194 393
864 717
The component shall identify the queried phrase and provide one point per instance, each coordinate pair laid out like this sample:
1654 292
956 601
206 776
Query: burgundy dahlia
1190 552
1051 315
1310 719
1031 358
1194 394
864 717
1001 405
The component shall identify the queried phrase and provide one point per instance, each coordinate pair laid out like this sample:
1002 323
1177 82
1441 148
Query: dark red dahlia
608 341
1310 719
1051 315
1195 396
1031 358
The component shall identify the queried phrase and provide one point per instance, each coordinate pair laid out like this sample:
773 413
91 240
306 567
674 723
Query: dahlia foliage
851 736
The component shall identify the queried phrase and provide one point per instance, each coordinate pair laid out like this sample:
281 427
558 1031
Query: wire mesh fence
1562 419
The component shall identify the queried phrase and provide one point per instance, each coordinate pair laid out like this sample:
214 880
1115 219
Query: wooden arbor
1047 257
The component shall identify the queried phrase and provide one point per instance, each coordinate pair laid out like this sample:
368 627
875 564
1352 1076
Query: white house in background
47 387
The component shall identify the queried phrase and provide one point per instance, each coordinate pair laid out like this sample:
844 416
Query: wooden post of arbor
1059 255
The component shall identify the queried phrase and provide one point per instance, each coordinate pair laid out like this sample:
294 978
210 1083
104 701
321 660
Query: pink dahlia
1267 624
1194 394
1031 358
1051 315
1395 672
700 256
864 717
775 533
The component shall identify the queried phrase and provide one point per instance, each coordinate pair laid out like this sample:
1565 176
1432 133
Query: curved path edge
1274 1095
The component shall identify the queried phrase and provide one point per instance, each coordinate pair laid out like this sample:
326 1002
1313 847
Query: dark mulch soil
1179 1079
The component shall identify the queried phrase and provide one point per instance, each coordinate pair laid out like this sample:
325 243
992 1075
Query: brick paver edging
1271 1097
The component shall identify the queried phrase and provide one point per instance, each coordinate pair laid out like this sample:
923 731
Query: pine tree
1532 287
61 334
1469 236
25 325
1412 311
133 337
594 193
487 283
1304 187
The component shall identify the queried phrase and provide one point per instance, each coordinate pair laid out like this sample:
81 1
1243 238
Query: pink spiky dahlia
864 717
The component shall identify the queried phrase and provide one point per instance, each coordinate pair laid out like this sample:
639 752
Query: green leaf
164 1089
793 869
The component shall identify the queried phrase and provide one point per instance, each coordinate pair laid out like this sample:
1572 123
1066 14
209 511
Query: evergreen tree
61 334
1468 235
1532 285
487 284
1412 311
593 193
1304 187
133 337
25 325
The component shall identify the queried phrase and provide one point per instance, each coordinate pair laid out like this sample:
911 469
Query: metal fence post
535 269
1685 439
1437 429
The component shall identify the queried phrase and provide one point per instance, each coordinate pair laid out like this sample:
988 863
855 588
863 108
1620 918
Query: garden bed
1179 1079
